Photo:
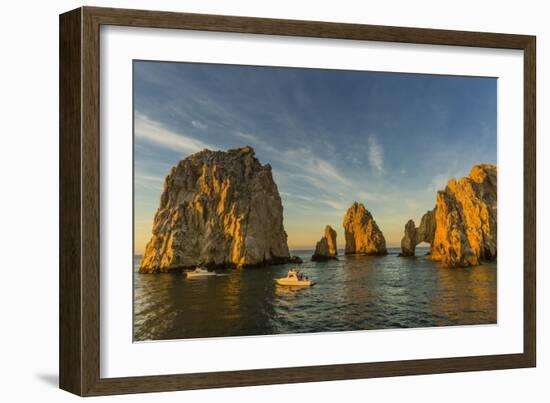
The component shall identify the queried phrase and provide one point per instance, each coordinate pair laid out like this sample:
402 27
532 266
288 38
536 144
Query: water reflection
353 293
465 296
154 307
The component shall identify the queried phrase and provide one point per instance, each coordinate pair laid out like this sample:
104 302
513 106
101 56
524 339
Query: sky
332 137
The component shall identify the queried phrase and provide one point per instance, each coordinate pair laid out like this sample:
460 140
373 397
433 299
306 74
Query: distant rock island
462 228
362 233
326 248
218 209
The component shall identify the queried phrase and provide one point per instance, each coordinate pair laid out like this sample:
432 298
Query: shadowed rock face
466 219
408 243
462 228
217 209
362 233
326 248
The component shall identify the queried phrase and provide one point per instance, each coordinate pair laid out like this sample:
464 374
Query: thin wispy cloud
296 196
316 170
199 125
150 182
155 133
330 137
149 178
255 141
335 204
247 136
375 154
439 181
370 196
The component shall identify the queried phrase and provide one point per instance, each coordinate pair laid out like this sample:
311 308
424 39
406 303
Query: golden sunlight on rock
217 209
462 228
326 248
466 219
362 233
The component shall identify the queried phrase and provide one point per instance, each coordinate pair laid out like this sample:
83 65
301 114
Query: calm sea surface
353 293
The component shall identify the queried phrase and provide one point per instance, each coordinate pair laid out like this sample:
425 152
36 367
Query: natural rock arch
462 228
415 235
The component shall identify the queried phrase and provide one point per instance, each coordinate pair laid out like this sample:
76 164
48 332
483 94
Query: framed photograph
249 201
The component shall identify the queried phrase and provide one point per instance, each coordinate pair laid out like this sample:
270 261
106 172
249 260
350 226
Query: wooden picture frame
79 346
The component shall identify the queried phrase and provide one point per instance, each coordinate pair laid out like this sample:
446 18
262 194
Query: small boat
295 278
200 272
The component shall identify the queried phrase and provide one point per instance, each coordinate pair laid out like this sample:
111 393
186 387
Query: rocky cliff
466 219
217 209
462 228
362 233
326 248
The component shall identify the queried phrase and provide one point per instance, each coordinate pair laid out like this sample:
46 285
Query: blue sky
388 140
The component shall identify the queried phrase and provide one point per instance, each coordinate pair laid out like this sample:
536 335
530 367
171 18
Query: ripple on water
353 293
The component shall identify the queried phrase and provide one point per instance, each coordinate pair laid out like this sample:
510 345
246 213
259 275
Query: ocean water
352 293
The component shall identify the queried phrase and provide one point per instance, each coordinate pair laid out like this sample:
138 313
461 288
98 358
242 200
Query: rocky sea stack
466 219
326 248
413 235
218 209
462 228
362 233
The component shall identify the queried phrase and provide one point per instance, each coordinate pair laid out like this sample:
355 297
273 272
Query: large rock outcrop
466 219
326 248
219 209
362 233
415 235
462 228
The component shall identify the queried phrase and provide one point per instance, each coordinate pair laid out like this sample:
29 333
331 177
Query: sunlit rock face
326 248
219 209
466 219
413 235
362 233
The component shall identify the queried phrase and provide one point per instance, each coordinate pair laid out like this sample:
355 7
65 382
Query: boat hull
294 283
191 275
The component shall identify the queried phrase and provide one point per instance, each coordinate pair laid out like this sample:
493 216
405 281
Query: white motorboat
200 272
295 278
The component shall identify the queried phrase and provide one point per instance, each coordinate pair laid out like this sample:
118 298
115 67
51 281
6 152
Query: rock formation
408 243
466 219
362 233
462 228
219 209
413 236
326 248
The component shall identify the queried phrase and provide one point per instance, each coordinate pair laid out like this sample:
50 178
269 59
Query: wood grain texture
316 29
90 202
80 201
530 202
70 106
